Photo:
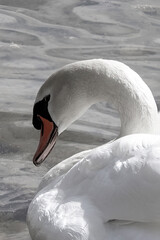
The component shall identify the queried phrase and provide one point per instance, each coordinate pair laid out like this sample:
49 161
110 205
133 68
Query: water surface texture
36 38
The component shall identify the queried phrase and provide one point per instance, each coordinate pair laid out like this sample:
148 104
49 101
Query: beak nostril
41 109
39 119
37 122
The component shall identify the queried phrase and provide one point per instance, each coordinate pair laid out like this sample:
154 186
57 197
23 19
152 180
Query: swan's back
117 181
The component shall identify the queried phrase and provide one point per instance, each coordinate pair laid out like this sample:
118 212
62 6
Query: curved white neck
105 80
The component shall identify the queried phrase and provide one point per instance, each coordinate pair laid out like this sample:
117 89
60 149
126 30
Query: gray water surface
36 38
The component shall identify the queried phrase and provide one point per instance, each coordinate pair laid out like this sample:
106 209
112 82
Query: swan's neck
121 87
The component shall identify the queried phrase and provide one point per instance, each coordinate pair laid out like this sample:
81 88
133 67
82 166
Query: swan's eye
46 98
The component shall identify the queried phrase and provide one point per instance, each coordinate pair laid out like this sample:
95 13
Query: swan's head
67 94
59 102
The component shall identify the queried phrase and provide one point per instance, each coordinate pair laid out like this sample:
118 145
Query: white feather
113 191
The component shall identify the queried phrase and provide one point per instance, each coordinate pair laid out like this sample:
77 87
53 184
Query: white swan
113 192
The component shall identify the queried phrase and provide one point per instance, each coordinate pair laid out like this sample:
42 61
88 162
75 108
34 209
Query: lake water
36 38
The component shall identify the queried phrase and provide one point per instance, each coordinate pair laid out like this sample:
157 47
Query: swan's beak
49 133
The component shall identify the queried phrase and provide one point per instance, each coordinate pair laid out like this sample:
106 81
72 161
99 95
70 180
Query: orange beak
49 133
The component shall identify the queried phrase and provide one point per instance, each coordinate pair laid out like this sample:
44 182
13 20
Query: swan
111 192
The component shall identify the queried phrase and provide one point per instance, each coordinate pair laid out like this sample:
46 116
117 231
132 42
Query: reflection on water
38 37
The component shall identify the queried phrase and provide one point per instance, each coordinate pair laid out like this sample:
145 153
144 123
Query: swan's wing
117 181
122 179
131 183
60 169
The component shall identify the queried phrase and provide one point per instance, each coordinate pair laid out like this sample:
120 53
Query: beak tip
36 161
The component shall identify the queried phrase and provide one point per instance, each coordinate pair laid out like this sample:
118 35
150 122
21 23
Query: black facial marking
41 108
46 98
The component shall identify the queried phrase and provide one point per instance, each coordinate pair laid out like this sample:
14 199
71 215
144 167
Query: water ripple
38 37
